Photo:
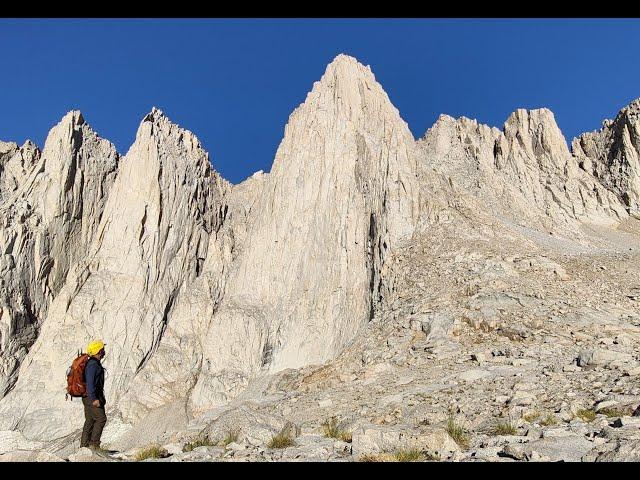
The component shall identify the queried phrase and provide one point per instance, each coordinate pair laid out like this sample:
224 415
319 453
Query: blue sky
235 82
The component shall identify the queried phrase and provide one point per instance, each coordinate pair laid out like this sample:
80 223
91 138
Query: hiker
93 400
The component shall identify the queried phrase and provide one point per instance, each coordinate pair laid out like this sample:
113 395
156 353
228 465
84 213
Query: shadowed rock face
198 286
613 155
15 165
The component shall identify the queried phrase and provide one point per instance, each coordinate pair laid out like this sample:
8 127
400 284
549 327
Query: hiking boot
97 450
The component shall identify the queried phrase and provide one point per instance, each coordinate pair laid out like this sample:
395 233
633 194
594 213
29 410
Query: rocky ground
480 352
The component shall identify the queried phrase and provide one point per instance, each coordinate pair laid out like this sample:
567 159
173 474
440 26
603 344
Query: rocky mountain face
52 202
362 273
525 173
613 154
336 199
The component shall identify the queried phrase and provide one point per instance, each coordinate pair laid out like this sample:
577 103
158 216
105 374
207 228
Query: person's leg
88 425
100 419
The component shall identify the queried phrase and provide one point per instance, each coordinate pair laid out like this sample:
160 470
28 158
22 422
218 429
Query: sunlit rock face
201 288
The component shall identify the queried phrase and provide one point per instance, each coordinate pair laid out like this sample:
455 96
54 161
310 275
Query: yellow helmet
95 346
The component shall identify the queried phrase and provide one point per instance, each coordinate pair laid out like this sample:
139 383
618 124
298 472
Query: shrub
346 436
531 416
549 420
233 435
612 412
332 430
458 433
413 455
198 442
588 415
382 457
154 451
504 428
281 440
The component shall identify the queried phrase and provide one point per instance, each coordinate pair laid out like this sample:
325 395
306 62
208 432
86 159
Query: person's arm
91 374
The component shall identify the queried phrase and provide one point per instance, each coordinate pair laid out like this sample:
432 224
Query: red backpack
76 386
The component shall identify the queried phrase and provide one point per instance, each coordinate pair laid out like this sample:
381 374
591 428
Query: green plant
233 435
457 433
611 412
504 428
588 415
204 441
332 430
381 457
153 451
549 420
413 455
281 440
531 416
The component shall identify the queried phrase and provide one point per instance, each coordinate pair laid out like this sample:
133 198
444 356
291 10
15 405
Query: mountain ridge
204 289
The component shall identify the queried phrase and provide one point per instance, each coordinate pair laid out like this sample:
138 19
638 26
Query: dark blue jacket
94 378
